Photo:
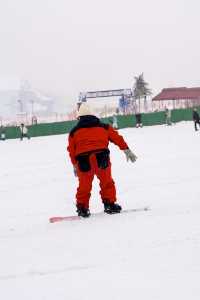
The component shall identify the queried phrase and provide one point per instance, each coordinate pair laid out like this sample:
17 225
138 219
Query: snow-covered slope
145 255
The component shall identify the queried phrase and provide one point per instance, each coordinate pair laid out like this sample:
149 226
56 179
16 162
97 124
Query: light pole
20 105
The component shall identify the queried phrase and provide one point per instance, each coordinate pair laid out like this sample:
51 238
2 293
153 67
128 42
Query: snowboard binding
83 212
112 208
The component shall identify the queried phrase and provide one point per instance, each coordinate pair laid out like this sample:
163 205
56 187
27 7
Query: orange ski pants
107 185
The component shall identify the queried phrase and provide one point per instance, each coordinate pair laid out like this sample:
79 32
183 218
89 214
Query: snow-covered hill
145 255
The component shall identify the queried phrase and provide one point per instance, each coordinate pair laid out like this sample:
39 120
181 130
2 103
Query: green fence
149 119
41 129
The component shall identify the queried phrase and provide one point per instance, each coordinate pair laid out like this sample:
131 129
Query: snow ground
144 255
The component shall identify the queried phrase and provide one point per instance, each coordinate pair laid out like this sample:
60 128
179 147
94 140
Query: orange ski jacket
91 135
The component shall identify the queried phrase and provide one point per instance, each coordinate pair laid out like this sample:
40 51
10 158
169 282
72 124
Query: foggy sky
65 47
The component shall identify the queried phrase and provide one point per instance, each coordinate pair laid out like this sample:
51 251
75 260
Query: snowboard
98 214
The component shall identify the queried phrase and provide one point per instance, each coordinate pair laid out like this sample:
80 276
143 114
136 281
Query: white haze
64 47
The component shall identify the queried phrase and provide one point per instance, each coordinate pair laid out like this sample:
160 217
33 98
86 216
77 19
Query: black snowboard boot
83 212
112 208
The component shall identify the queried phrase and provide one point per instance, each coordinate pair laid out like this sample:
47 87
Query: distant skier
168 116
2 134
114 122
24 132
88 149
138 118
196 118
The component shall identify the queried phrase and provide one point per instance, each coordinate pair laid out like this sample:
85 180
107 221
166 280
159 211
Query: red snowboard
74 218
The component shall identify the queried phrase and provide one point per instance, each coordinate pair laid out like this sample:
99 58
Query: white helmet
84 110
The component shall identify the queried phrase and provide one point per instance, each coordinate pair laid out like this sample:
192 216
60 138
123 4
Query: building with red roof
174 98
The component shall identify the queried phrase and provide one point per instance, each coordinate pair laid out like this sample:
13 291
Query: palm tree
140 89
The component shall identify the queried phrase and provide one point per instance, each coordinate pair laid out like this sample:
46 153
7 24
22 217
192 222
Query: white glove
130 155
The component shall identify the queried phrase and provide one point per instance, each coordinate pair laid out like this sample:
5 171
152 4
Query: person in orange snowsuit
88 149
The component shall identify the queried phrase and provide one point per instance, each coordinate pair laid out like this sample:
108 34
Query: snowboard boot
112 208
83 212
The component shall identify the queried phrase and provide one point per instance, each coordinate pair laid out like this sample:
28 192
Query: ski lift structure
126 98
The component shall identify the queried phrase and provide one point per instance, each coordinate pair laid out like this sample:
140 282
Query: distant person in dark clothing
196 118
138 117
